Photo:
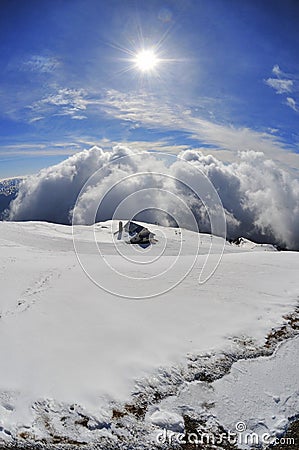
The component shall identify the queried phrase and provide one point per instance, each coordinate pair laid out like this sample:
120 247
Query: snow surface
273 384
257 397
63 339
250 245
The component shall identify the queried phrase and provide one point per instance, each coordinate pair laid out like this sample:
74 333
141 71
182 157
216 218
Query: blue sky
227 78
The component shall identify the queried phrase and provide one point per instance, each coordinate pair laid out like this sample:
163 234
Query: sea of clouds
260 199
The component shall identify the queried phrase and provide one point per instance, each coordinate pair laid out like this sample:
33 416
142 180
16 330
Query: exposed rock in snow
75 358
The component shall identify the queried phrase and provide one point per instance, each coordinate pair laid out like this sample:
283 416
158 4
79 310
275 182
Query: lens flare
146 60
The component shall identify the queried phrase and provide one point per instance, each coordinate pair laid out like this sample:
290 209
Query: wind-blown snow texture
261 200
72 354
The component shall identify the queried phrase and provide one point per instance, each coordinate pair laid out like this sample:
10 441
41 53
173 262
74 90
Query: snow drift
74 355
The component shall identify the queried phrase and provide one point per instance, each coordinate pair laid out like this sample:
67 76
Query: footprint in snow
34 292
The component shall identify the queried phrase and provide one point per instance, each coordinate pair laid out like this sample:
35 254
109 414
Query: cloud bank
261 200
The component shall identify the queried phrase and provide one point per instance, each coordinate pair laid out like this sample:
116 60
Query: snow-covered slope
254 401
250 245
64 341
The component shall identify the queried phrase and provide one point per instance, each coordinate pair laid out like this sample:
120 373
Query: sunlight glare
146 60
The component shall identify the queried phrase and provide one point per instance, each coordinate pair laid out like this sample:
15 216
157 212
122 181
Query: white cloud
63 102
42 64
36 119
291 103
260 199
280 86
154 113
276 70
284 84
77 117
143 110
65 97
40 149
273 130
51 193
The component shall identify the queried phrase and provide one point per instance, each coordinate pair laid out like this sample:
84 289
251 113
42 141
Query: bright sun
146 60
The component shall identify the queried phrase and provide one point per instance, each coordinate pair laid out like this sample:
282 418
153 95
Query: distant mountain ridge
8 191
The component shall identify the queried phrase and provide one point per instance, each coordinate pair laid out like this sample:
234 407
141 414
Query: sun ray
146 60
